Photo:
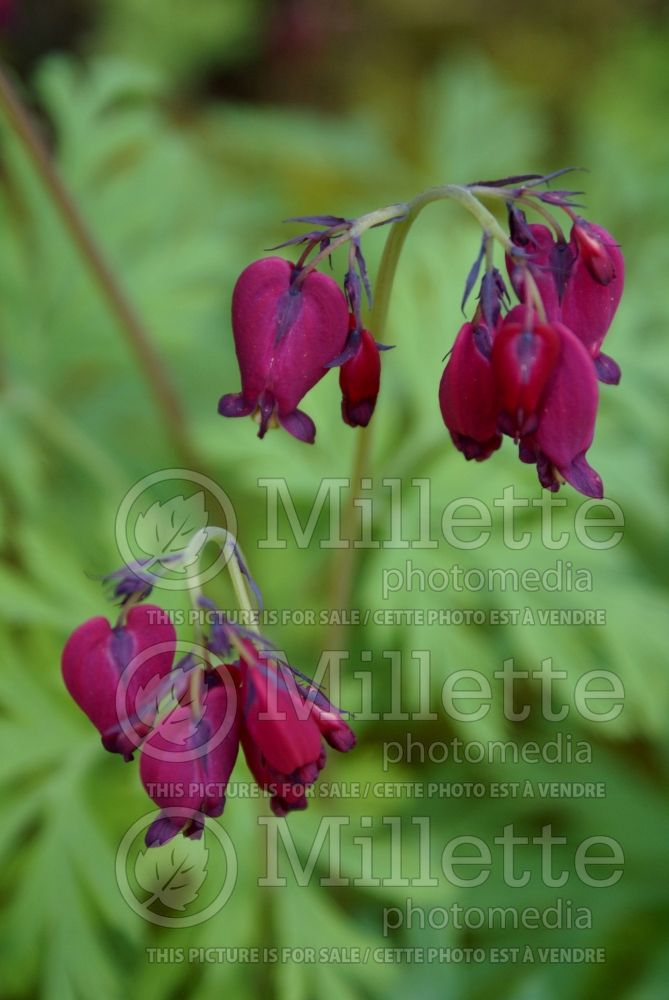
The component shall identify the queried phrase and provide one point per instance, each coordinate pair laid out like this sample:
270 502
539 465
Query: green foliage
180 207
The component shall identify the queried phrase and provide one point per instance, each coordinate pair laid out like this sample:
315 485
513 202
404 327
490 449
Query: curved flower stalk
528 371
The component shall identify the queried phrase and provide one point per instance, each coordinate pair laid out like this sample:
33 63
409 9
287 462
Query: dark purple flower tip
164 829
113 674
583 478
334 729
233 404
467 396
130 582
607 369
524 356
300 425
360 380
281 806
287 325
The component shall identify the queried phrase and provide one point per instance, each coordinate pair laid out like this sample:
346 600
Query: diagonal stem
118 303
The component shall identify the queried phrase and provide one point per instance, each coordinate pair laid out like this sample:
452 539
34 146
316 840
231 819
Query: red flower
524 355
359 380
467 396
281 728
547 393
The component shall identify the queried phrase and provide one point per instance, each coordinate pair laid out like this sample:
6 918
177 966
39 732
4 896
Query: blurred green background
186 133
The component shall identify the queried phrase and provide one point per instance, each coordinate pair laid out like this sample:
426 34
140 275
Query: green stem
228 544
342 578
149 360
345 558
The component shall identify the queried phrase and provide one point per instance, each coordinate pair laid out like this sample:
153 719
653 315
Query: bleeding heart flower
524 355
467 396
566 421
359 380
548 260
187 760
287 327
593 292
113 674
281 729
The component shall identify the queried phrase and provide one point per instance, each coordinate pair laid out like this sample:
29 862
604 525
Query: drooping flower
547 393
113 673
359 381
287 327
531 380
580 282
281 728
187 760
467 394
593 292
524 356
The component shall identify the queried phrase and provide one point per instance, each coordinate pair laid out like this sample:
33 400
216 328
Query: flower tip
233 404
299 425
161 831
583 478
358 414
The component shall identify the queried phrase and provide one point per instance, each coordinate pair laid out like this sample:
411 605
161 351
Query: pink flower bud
359 380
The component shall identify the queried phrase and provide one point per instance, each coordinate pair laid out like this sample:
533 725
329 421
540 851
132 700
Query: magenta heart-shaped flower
114 674
288 325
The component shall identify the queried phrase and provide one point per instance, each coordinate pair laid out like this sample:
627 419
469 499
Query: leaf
172 874
166 528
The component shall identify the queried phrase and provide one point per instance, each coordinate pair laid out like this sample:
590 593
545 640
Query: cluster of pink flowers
529 370
243 695
532 373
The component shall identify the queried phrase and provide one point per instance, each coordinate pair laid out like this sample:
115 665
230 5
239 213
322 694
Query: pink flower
467 396
113 673
547 394
186 762
287 327
593 292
